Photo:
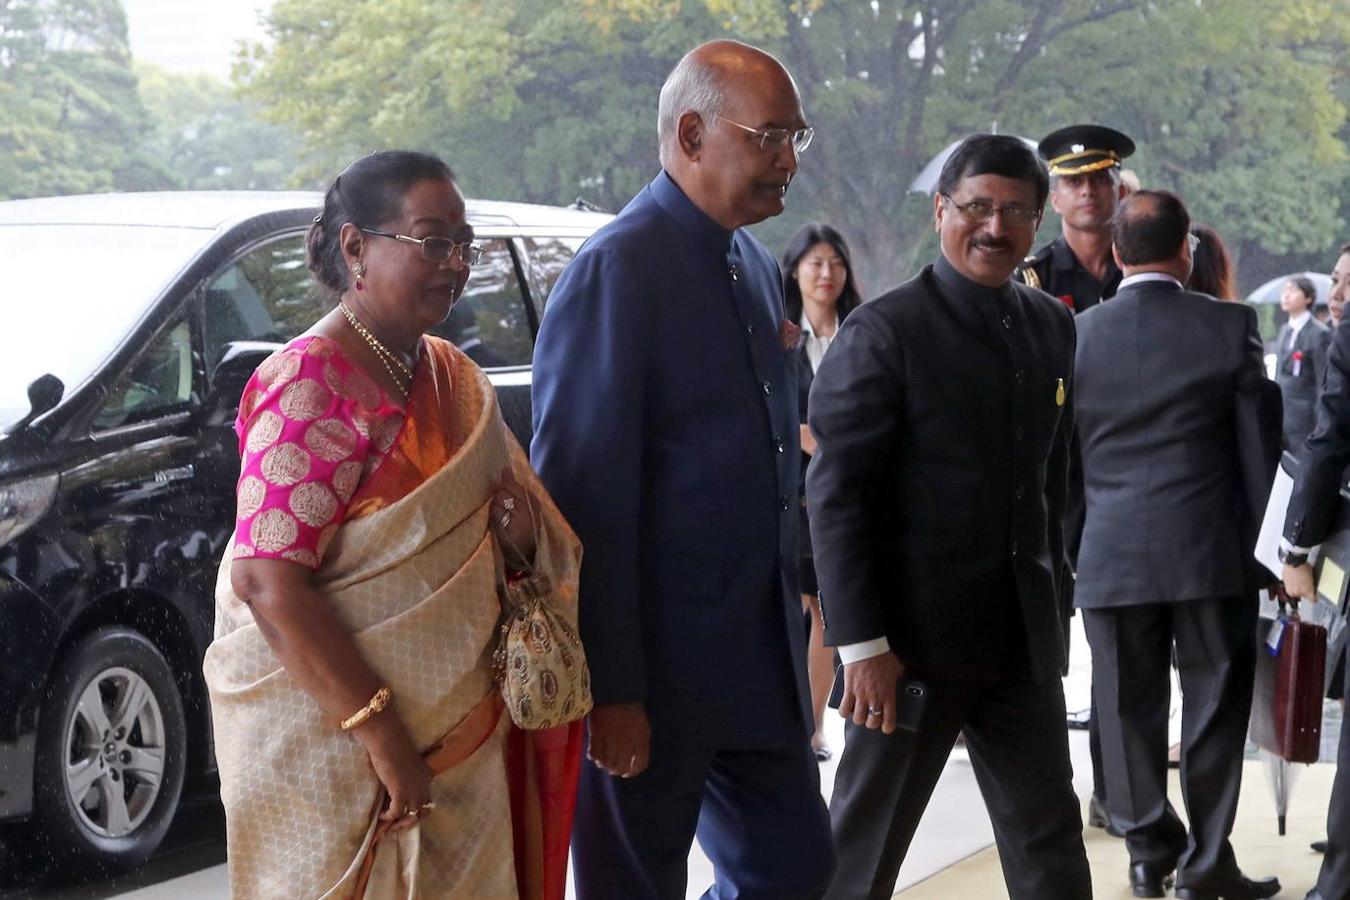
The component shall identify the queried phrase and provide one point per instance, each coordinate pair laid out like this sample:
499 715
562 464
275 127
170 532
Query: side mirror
236 366
43 395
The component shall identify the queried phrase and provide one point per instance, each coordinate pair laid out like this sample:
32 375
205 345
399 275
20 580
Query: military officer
1078 268
1085 187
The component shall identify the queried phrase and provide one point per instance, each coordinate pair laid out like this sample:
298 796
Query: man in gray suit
1166 380
1301 360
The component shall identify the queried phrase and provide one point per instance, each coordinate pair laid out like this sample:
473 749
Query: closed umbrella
1280 774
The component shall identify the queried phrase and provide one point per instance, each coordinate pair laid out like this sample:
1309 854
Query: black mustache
990 244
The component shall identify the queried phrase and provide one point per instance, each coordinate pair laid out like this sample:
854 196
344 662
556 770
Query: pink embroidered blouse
311 427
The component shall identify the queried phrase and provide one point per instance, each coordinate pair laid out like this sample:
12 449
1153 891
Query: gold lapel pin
1059 392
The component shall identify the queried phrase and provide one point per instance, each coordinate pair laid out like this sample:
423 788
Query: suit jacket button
1007 321
1021 376
735 273
750 327
1018 433
783 502
768 388
1014 549
1020 492
778 444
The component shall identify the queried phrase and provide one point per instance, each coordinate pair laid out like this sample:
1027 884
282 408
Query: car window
159 382
489 322
548 257
44 337
268 294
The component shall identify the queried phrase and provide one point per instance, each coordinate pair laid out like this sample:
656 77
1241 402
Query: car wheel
112 745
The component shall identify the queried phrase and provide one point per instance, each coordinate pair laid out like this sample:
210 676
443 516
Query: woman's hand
319 654
808 440
401 770
512 516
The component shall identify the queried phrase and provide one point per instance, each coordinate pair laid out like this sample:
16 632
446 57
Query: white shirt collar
1297 322
805 323
816 346
1148 276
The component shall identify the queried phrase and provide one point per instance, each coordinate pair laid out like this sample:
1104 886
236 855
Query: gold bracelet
376 704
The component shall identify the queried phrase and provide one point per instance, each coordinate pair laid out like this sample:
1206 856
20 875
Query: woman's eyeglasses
437 249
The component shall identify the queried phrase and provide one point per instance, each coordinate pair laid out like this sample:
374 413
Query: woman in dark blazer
819 291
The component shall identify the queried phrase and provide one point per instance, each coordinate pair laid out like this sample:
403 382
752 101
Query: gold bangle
376 704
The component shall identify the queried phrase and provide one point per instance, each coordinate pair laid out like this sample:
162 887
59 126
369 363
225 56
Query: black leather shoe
1243 888
1149 880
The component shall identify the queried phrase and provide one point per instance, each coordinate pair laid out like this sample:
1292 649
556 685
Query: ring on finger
873 711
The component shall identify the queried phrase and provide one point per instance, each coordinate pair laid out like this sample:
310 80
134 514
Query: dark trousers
1095 749
1015 734
1333 882
1215 652
757 814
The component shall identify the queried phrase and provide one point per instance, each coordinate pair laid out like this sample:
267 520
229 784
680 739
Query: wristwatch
1293 557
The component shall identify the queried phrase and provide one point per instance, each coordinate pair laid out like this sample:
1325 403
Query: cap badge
1077 148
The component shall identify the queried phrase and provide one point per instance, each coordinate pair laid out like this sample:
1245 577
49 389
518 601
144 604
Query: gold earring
359 269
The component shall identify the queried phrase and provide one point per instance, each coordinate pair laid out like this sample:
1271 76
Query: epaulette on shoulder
1027 269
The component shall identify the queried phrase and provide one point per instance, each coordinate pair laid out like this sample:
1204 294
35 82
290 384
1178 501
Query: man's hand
869 691
1298 582
621 739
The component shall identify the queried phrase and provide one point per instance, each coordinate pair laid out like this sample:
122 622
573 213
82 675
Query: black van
130 324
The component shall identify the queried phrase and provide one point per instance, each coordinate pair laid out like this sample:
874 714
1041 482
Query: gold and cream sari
414 573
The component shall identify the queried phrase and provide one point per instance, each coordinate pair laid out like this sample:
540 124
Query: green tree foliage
1233 103
71 120
210 139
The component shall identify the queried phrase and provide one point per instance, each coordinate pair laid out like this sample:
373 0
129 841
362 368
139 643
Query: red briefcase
1287 705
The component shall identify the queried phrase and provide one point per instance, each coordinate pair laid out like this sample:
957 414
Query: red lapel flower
1067 300
790 334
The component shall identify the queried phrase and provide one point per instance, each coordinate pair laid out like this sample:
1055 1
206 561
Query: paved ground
955 827
1259 850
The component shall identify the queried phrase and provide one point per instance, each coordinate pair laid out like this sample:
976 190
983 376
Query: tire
108 777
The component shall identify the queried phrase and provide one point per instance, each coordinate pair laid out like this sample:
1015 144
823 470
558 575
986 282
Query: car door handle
178 473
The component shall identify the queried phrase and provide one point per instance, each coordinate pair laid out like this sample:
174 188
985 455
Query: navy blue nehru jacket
665 428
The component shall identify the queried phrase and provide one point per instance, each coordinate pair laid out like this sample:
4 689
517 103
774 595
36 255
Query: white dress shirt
816 345
1296 324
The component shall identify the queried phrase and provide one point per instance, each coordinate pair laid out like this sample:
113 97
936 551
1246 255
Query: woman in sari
362 746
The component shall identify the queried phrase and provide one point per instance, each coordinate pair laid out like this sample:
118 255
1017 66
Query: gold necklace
399 371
